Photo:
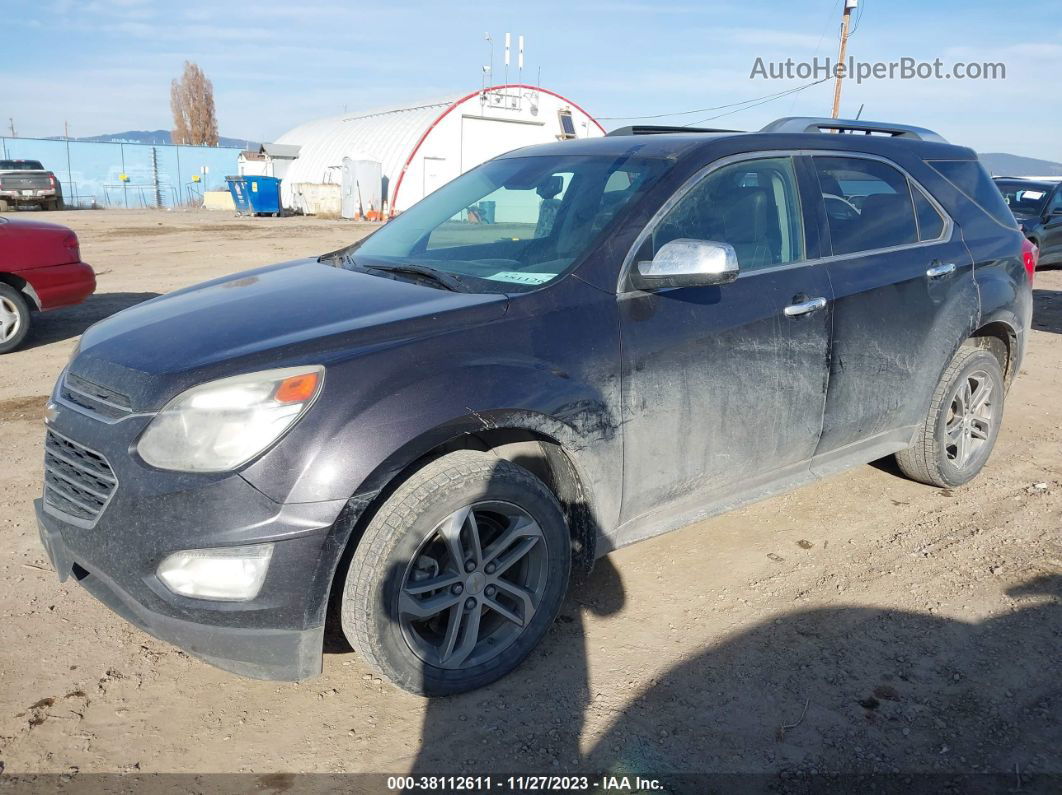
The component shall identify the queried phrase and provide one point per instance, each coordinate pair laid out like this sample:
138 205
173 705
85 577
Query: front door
724 386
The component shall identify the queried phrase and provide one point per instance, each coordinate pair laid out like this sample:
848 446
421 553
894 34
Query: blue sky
105 65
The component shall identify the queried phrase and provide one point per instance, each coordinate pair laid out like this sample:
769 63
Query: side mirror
687 263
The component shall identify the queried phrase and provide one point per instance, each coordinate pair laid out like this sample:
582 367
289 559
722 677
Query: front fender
392 424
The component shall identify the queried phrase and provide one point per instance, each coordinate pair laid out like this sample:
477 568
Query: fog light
227 573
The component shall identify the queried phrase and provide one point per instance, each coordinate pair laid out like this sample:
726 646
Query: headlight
227 573
218 426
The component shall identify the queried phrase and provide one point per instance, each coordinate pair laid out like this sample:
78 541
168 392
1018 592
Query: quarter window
753 205
970 177
930 221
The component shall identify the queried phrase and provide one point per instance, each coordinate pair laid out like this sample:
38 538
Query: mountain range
160 137
1004 165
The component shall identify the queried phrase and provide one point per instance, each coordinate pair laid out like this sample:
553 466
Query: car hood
281 315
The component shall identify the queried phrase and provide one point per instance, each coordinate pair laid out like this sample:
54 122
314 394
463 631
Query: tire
409 544
960 429
14 318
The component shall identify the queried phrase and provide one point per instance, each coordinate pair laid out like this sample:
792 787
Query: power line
762 102
758 100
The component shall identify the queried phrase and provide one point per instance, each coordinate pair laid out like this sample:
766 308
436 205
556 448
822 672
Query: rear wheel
14 318
458 576
960 429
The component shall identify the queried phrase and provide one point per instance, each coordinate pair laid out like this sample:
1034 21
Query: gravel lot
865 623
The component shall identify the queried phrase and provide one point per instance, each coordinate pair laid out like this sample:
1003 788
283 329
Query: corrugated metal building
421 146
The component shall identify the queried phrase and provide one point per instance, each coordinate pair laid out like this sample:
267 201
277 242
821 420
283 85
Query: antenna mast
508 42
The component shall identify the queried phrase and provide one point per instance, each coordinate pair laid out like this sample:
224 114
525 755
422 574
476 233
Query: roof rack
808 124
653 129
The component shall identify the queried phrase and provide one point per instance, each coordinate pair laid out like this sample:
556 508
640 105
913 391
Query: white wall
476 131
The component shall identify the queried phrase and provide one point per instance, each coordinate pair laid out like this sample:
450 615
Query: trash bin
255 195
238 188
264 194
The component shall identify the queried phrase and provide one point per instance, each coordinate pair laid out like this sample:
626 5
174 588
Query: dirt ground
865 623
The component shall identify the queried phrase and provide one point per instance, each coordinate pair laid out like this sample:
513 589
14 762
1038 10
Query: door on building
435 174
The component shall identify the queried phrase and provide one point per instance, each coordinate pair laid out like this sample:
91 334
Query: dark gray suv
421 435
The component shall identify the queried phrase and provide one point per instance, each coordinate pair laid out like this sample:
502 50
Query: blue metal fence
156 175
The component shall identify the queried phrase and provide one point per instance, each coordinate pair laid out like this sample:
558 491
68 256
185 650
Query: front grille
77 481
94 397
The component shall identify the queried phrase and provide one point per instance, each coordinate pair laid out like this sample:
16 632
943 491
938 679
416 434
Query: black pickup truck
24 182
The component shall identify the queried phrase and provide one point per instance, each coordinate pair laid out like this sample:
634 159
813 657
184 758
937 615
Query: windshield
512 224
1024 197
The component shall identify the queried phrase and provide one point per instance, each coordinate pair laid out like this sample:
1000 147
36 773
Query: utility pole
11 123
70 191
849 6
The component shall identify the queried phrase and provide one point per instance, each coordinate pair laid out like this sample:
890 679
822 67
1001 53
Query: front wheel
458 576
960 429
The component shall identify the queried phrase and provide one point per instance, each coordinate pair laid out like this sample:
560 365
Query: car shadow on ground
827 699
830 699
1047 311
71 321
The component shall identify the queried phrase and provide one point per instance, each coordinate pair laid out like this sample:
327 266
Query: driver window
752 205
505 214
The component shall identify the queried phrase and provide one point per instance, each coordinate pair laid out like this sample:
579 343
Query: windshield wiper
442 278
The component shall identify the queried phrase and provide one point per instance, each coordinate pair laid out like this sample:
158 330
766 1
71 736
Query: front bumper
151 514
253 651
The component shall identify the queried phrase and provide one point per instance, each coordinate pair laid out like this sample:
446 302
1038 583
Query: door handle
940 270
793 310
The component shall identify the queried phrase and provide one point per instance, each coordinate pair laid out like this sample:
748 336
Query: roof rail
653 129
808 124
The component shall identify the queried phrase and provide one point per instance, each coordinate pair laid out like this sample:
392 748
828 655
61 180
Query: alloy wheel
10 319
970 417
473 585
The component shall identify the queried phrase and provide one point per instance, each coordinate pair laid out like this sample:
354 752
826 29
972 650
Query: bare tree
192 103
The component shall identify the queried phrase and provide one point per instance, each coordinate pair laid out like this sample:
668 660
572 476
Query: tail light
73 248
51 179
1030 255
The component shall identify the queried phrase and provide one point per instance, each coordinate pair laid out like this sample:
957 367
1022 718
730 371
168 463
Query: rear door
724 386
904 298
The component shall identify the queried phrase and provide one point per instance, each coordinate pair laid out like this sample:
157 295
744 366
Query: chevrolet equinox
565 350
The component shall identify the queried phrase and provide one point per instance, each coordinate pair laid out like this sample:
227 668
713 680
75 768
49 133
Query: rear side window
753 205
970 177
868 204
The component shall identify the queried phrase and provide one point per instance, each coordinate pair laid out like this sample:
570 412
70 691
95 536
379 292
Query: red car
40 269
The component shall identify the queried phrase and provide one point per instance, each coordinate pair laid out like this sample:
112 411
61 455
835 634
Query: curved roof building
423 145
